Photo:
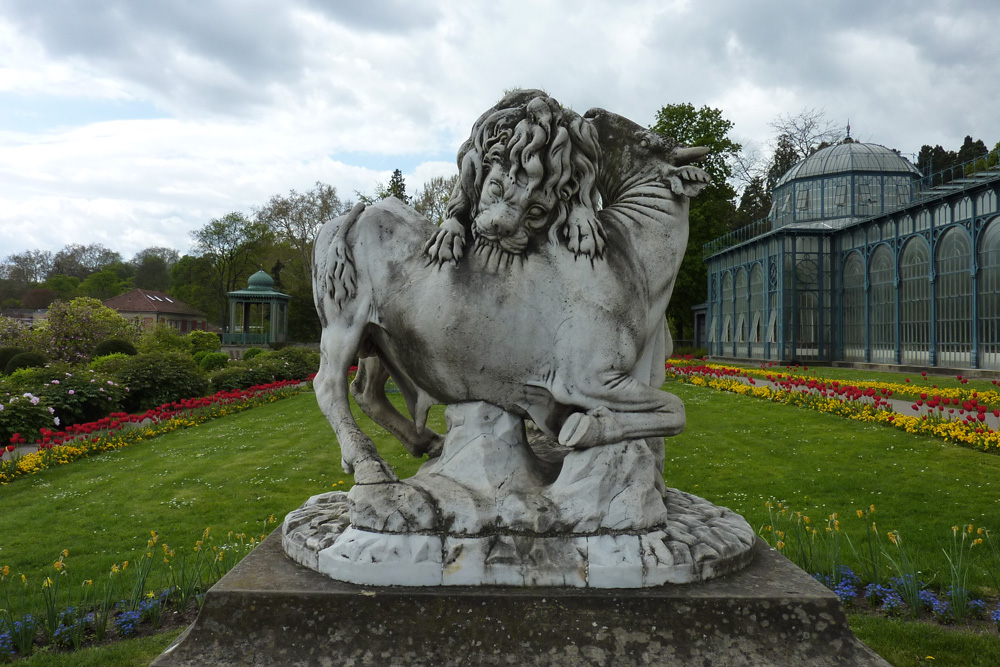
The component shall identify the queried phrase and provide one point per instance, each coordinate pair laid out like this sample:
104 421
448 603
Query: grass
740 452
908 644
126 653
230 474
233 473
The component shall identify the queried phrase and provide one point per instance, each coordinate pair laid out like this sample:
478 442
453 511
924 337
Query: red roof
148 301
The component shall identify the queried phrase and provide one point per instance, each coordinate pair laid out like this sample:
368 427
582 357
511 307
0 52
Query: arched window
882 306
740 310
987 203
756 311
727 310
989 296
915 302
854 308
963 209
953 307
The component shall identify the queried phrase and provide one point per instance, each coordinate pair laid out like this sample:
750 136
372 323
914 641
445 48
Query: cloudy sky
132 123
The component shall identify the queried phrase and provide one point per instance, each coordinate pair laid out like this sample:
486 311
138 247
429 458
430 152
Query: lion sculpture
579 347
528 168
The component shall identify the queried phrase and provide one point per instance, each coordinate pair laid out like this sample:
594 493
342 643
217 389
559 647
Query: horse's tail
339 275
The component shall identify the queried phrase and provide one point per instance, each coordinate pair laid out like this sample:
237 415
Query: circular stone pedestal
489 512
699 541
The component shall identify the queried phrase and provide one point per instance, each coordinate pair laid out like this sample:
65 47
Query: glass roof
848 157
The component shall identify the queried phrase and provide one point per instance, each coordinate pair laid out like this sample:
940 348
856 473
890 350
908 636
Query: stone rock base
270 611
696 542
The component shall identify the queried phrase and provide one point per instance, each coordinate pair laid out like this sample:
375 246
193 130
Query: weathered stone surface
698 541
269 611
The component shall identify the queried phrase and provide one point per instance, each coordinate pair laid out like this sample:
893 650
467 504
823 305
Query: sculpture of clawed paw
584 237
448 242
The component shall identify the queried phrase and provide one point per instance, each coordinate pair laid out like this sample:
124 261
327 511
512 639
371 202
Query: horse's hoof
575 431
373 472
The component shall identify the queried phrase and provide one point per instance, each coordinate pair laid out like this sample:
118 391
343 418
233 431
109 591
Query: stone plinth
271 611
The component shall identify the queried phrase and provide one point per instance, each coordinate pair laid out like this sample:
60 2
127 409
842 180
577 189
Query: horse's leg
368 390
627 409
358 453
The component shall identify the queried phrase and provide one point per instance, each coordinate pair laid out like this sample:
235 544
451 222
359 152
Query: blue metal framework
918 283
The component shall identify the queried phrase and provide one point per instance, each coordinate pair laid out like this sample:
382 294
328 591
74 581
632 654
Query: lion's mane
555 148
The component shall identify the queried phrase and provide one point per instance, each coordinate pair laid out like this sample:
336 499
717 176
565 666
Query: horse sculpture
558 312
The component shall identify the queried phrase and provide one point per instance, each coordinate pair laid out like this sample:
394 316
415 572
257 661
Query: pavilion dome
849 157
260 282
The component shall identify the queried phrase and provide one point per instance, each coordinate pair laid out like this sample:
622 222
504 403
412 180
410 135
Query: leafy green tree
785 157
64 286
73 329
713 211
294 220
38 298
234 243
80 261
104 285
432 201
152 273
191 282
28 268
396 187
755 202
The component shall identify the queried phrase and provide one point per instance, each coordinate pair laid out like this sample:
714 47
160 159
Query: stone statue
540 299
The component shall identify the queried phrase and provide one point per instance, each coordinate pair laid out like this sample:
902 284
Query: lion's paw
585 237
448 242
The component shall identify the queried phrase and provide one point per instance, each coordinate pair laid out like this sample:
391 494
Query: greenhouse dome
842 183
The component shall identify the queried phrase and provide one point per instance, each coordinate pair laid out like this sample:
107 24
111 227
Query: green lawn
233 473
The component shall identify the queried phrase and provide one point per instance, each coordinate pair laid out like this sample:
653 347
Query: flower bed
121 430
954 414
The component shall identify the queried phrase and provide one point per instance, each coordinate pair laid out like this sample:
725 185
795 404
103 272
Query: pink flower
71 392
55 382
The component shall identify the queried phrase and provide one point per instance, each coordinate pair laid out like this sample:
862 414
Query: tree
432 201
38 298
29 267
64 286
191 282
168 255
152 273
294 220
396 187
807 131
232 243
712 212
104 285
80 261
73 329
785 157
755 202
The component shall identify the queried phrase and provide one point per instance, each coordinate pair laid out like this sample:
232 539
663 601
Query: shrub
13 333
204 340
162 338
8 353
198 356
294 363
22 416
213 360
73 329
114 346
78 395
251 352
109 364
25 360
156 378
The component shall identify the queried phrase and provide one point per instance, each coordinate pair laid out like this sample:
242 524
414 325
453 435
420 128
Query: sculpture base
698 541
271 611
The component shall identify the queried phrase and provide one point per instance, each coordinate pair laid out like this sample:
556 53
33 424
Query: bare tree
807 131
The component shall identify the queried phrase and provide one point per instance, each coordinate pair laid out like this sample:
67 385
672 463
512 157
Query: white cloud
258 98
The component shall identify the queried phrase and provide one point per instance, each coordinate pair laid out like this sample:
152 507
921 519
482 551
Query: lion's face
511 212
